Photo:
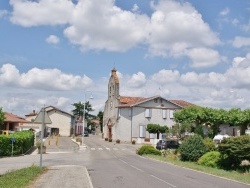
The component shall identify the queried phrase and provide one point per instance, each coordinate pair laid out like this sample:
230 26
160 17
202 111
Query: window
147 113
171 114
164 113
156 100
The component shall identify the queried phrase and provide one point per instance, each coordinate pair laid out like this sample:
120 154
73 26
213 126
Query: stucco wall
60 120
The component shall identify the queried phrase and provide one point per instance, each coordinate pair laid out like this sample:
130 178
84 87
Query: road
117 165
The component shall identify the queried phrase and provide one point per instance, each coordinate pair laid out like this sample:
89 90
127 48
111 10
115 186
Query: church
126 118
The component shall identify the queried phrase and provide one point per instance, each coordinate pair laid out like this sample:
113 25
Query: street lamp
84 103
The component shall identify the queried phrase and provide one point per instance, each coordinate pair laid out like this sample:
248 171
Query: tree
79 109
156 129
2 117
100 117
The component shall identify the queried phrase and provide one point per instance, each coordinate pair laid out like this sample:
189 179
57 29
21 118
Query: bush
24 140
210 159
234 150
148 149
209 143
192 148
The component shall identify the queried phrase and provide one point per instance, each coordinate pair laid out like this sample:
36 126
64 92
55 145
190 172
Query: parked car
167 144
86 134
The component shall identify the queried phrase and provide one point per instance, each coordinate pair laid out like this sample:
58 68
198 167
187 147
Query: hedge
24 140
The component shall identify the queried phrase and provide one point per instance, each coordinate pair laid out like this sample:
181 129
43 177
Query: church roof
126 101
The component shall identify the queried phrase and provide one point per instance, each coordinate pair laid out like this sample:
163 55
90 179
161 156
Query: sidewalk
63 176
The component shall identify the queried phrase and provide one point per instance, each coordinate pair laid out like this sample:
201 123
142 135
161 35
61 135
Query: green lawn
241 177
20 178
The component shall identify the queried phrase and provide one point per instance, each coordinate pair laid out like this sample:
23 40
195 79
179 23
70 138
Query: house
11 123
126 117
63 123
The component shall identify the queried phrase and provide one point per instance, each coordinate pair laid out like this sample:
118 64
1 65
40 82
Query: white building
126 118
63 123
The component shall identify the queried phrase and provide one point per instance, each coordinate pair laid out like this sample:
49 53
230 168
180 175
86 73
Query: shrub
148 149
210 159
234 150
192 148
209 143
106 139
118 141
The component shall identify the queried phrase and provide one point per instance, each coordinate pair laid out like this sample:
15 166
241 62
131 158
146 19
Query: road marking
123 161
100 148
136 168
163 181
107 148
92 148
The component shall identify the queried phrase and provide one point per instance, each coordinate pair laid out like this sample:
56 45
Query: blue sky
52 52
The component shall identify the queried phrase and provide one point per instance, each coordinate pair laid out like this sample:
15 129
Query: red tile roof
14 118
181 103
128 101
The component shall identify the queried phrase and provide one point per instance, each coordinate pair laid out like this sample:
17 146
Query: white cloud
173 28
176 27
42 12
137 80
42 79
52 39
203 57
166 76
120 29
225 11
239 42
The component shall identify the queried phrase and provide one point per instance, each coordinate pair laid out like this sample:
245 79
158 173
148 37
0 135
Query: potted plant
39 145
118 141
133 141
106 139
110 139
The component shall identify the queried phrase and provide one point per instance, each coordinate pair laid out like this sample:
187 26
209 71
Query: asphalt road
117 165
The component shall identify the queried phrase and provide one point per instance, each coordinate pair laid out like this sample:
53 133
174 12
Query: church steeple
113 84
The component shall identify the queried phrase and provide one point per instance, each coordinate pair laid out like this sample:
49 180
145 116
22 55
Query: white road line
136 168
92 148
107 148
163 181
100 148
123 161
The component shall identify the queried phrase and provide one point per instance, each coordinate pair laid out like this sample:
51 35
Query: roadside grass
233 175
21 178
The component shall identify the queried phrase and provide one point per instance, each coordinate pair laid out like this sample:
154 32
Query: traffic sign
39 117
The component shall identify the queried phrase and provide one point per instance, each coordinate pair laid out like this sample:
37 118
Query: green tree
79 109
237 117
156 129
2 117
100 117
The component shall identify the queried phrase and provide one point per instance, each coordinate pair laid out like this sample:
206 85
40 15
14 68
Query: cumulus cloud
239 42
52 39
166 76
137 80
43 12
176 27
120 29
203 57
173 28
42 79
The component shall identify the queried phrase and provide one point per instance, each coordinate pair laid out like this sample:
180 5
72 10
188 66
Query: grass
233 175
20 178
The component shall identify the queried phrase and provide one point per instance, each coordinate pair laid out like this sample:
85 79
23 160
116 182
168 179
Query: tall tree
100 117
79 109
2 117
